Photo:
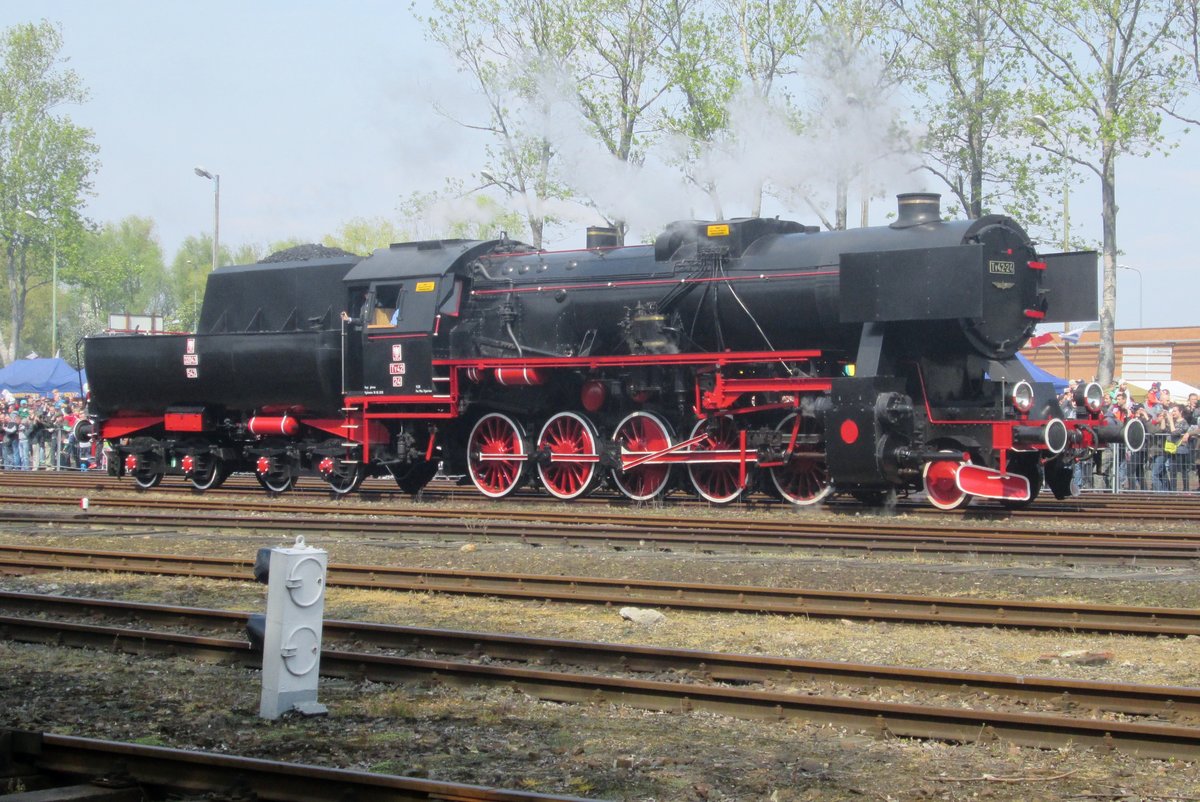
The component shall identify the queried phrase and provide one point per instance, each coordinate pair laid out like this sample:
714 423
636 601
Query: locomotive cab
408 290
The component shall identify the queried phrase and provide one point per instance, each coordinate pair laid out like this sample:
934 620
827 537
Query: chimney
602 237
916 208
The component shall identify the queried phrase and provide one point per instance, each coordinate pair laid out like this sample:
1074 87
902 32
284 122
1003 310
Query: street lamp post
1066 153
53 283
216 179
1139 275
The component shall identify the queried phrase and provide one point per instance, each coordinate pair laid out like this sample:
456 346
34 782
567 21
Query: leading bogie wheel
718 477
496 455
804 478
569 439
639 435
941 484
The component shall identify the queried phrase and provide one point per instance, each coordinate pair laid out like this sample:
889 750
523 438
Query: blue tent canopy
41 376
1040 375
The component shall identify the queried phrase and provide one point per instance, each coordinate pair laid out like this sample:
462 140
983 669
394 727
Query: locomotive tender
726 357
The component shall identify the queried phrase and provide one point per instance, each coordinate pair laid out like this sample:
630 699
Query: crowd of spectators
38 432
1172 452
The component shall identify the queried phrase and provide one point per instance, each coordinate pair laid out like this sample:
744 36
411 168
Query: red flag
1040 340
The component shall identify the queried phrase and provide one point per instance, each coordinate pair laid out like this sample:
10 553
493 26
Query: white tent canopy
1179 390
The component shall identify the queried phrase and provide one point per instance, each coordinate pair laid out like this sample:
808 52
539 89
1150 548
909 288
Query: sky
314 113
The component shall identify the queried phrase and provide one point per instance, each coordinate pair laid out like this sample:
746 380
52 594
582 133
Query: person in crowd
24 427
34 430
1190 410
1165 431
1177 448
1115 414
9 430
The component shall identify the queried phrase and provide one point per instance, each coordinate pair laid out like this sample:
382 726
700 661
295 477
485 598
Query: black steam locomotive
726 357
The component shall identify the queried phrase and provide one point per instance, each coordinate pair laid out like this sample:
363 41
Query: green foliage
46 164
121 271
188 276
1105 72
364 235
508 49
970 76
456 215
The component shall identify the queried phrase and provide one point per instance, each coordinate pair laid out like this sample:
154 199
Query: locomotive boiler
727 357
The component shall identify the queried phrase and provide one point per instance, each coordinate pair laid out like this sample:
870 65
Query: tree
730 53
187 279
506 48
46 163
1106 71
854 69
454 214
364 235
121 271
969 75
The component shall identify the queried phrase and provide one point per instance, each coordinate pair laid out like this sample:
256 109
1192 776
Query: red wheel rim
642 433
805 478
496 455
941 485
571 443
717 482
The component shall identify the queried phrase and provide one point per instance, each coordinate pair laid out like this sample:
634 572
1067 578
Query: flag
1040 340
1072 336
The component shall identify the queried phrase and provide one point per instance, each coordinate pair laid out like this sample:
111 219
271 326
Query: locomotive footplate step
990 483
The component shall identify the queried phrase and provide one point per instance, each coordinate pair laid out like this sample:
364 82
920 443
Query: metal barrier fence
1153 469
45 451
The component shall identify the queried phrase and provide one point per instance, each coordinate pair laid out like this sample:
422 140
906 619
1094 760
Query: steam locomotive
727 357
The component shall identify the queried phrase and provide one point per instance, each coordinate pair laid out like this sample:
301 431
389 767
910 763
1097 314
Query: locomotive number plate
396 368
1002 268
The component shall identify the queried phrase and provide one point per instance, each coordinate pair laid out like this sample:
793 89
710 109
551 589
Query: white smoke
848 128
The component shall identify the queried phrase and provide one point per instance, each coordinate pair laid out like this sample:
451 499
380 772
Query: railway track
1090 506
720 687
610 530
897 608
1178 704
64 767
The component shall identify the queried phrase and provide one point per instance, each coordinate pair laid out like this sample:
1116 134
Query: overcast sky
317 112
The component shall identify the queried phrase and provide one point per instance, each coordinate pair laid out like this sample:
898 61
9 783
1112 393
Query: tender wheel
570 440
276 482
416 477
345 477
941 485
642 433
146 479
211 474
496 455
717 481
804 479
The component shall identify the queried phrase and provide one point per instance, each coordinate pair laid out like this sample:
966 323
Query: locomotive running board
977 480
